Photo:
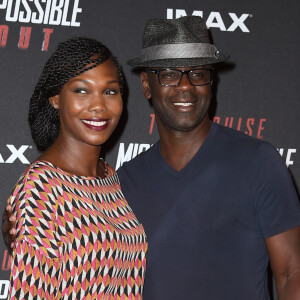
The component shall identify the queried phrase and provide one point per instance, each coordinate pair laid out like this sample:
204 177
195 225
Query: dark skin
284 254
183 130
93 96
182 133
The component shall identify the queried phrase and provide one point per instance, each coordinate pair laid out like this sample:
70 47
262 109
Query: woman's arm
8 227
35 259
33 275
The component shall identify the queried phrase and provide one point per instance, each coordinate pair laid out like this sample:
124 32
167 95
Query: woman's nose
97 103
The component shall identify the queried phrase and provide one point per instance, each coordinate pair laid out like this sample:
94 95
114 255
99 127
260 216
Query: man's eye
169 75
197 74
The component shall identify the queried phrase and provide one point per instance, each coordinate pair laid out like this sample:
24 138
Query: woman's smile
97 125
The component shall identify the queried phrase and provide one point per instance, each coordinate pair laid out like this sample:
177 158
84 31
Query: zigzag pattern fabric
77 238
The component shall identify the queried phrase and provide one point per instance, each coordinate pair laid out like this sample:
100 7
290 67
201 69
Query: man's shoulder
235 135
232 137
239 145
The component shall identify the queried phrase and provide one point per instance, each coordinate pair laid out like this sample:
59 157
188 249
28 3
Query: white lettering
16 153
214 19
219 22
169 13
288 161
288 155
47 12
180 13
4 287
64 21
132 151
76 10
56 10
28 13
238 22
52 12
135 150
34 18
144 147
4 4
8 16
122 156
280 151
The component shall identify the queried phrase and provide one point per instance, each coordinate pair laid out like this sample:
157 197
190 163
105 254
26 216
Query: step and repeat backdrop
256 92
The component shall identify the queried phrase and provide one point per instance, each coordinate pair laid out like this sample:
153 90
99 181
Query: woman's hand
8 227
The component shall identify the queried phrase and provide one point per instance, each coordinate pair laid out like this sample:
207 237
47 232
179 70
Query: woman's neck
74 157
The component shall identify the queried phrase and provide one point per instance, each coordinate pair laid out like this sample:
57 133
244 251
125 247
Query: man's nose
185 83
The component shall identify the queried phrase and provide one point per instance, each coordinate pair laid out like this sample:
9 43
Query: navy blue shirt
206 224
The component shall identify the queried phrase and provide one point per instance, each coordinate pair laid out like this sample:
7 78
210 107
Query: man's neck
179 147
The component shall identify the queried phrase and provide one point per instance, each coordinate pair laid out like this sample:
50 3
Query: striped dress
77 238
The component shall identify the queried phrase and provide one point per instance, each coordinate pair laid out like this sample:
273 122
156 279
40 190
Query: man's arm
8 227
284 253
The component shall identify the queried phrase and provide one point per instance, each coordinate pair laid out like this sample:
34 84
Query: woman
77 238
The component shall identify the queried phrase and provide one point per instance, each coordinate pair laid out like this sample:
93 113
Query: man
216 204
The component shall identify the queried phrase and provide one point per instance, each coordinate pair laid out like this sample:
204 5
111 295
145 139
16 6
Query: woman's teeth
94 123
184 104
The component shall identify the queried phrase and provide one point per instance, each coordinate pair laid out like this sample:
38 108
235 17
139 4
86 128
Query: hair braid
70 59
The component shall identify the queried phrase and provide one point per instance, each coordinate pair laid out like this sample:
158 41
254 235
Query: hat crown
177 43
188 29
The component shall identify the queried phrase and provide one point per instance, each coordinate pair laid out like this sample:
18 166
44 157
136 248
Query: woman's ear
145 85
54 101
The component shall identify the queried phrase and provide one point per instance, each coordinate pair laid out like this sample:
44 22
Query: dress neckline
46 162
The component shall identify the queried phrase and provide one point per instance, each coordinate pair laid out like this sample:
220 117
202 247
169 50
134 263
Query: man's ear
145 85
54 101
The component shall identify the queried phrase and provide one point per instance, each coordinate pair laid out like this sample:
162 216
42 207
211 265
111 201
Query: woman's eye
111 92
80 91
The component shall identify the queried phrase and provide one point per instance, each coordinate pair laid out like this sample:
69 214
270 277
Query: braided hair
71 58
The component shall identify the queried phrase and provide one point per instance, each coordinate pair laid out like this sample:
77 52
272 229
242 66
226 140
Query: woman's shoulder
33 180
39 170
30 171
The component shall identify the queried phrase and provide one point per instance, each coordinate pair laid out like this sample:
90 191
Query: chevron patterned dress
77 238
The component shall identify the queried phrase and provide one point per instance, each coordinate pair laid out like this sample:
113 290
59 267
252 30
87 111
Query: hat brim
178 62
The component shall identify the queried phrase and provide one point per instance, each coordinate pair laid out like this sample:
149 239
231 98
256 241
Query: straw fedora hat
182 42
